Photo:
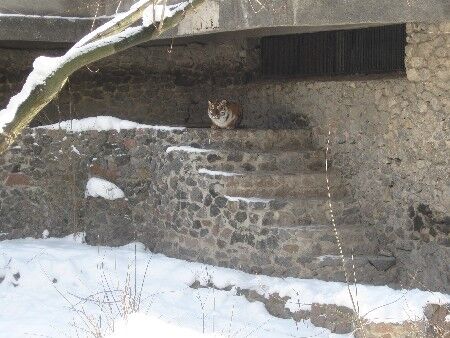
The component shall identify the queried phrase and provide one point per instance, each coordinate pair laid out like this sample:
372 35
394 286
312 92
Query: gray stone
235 157
382 263
220 201
240 237
338 319
196 195
428 264
214 211
275 305
241 216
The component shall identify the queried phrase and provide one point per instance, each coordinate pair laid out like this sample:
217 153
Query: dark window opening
376 50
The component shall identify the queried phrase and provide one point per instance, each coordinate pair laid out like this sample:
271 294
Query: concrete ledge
44 29
235 15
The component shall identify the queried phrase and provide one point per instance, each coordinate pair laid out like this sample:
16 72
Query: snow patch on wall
103 123
75 150
248 199
186 149
98 187
45 234
217 173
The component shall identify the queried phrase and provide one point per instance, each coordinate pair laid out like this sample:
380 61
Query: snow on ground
139 325
98 187
102 123
50 286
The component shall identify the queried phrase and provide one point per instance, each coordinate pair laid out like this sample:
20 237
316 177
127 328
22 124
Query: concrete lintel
217 16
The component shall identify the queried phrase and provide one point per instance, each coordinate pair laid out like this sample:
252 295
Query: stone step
315 242
252 139
243 160
319 242
283 212
362 268
381 263
371 268
273 184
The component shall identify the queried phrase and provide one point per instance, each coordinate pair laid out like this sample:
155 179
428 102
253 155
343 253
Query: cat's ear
210 104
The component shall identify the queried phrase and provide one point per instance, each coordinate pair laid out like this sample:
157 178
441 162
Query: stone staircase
269 188
249 199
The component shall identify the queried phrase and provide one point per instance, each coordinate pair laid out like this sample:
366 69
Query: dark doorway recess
375 50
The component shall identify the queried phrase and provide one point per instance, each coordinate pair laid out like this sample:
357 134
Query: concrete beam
218 16
69 8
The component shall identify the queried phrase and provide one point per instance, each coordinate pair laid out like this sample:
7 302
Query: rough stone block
17 179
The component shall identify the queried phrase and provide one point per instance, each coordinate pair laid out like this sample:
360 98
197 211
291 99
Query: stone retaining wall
390 142
173 209
170 206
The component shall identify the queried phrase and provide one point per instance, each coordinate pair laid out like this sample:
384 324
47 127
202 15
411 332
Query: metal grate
358 51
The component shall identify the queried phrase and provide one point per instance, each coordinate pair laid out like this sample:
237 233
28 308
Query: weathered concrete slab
218 16
73 8
43 29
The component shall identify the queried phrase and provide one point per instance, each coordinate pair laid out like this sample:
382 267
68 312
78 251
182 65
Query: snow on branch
118 23
156 13
43 68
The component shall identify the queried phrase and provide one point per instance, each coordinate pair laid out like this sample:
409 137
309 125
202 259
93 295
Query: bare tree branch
118 24
78 57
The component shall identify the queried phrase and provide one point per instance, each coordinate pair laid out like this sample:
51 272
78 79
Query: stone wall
390 142
152 85
394 148
175 209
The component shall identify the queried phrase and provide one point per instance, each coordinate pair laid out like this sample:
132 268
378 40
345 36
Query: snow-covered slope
61 287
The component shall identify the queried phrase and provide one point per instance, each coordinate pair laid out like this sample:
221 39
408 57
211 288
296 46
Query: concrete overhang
66 21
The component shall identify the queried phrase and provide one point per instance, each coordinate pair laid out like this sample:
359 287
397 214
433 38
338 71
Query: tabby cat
224 114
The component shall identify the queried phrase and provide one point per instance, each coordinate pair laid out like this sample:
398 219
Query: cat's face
218 110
